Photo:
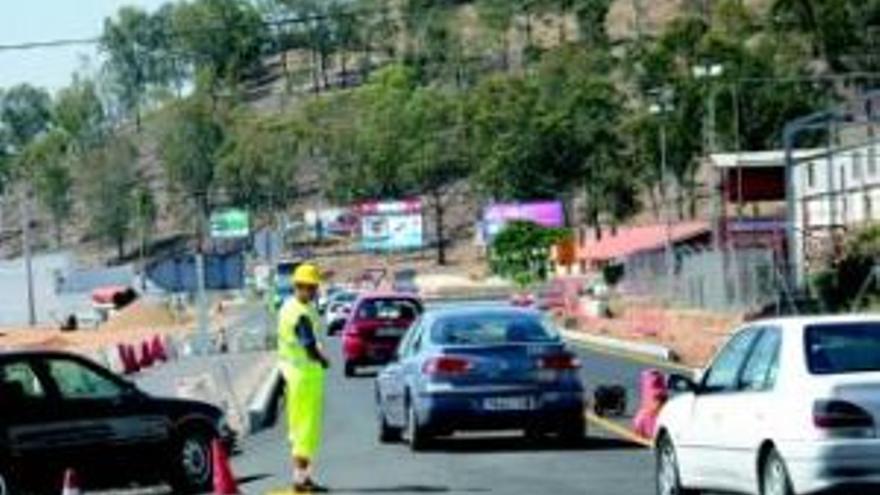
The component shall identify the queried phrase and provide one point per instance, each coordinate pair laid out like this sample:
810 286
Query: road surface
354 462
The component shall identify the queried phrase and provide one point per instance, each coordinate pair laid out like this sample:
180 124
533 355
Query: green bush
521 251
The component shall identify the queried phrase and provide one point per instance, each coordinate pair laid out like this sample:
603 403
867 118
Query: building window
811 174
857 165
869 207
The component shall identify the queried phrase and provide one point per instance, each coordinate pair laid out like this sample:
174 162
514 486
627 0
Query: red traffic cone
158 350
71 483
146 355
224 481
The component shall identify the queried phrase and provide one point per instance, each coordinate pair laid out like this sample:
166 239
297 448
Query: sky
41 20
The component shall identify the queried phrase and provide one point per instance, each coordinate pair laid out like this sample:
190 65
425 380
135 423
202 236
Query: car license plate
390 332
508 404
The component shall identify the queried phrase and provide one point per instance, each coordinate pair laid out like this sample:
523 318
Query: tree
79 113
258 162
146 212
109 186
133 43
45 165
437 151
25 112
222 39
189 139
522 249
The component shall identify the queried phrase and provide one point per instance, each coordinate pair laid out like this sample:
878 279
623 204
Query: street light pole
661 108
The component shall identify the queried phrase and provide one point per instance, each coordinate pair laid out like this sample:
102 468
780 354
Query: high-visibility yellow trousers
305 409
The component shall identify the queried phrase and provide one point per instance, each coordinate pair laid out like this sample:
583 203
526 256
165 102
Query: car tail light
447 366
559 362
834 414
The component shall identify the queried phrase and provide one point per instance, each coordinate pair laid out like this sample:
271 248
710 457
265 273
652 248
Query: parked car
489 368
788 406
60 411
374 328
338 308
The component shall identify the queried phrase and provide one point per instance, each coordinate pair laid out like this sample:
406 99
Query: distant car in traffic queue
374 328
338 308
60 411
788 406
480 368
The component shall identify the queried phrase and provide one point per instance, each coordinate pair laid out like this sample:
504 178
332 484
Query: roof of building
759 159
631 240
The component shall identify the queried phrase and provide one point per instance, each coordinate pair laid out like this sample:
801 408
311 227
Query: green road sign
230 224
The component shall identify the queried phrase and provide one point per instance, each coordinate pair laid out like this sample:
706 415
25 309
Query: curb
652 353
261 407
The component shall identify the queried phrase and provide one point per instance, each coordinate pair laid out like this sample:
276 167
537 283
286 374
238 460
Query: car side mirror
678 384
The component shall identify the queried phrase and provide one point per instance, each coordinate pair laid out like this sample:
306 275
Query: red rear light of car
559 362
447 366
837 414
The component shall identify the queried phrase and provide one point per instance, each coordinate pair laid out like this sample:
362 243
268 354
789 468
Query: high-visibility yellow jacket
290 351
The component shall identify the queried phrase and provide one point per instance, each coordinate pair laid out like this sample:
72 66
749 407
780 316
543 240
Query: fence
742 280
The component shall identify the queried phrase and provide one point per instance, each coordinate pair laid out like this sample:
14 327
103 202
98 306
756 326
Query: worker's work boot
309 486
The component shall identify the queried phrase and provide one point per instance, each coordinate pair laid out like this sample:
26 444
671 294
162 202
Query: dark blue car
480 368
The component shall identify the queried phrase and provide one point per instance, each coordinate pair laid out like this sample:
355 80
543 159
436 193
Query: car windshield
483 329
389 309
843 348
345 297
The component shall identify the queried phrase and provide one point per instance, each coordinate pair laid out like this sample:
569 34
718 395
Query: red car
374 328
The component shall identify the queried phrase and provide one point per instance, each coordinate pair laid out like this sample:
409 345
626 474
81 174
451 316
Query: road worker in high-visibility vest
303 363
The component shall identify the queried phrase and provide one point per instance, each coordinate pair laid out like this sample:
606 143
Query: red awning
631 240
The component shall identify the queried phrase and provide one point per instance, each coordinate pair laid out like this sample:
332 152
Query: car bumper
367 352
467 411
834 466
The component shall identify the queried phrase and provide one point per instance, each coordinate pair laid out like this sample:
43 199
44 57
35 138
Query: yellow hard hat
307 274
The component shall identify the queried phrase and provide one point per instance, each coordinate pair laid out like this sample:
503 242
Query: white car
788 406
338 308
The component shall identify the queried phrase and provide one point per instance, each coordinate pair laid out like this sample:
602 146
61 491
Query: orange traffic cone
71 483
224 481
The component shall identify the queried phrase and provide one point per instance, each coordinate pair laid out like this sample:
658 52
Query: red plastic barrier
157 350
146 355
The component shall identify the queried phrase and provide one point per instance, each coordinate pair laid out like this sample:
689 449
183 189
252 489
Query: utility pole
203 337
661 108
639 18
26 248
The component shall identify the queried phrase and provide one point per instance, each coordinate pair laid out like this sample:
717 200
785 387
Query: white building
834 192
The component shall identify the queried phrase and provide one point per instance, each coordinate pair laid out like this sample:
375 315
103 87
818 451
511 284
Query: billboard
339 222
230 224
495 217
391 226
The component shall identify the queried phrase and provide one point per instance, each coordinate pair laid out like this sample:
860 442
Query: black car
60 411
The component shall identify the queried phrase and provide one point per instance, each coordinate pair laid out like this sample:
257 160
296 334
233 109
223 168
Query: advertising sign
341 222
391 226
230 224
495 217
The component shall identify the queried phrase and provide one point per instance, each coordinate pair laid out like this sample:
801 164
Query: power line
304 19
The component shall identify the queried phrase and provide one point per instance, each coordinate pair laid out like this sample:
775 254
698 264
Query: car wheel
388 433
350 369
572 432
667 474
774 476
193 472
416 435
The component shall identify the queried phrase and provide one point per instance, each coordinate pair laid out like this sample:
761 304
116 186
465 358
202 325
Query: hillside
273 93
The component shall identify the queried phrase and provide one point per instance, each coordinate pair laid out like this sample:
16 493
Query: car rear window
389 309
491 329
843 348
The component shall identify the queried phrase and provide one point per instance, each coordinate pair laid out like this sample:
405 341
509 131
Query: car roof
494 309
389 295
7 354
799 322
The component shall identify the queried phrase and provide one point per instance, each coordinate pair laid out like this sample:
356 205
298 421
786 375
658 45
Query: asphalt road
352 460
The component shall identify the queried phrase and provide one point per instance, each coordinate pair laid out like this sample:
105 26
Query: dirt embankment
136 323
693 335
